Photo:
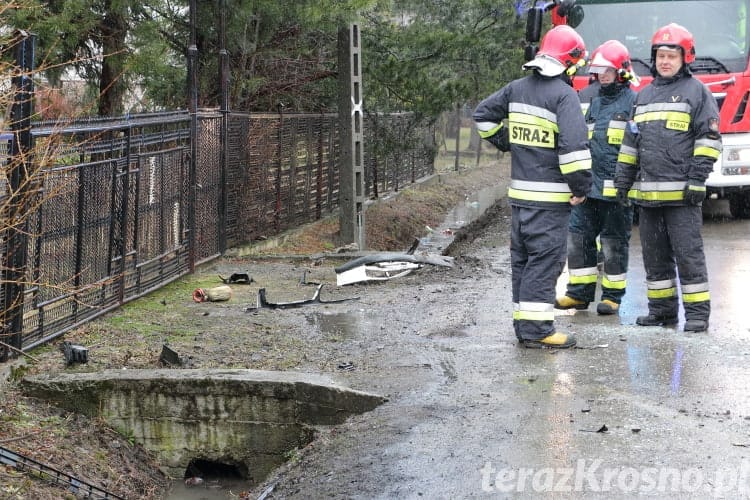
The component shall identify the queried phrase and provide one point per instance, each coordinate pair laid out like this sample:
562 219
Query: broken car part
75 353
169 357
262 302
238 278
385 266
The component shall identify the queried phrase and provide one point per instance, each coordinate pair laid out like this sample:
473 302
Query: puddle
465 213
210 489
340 326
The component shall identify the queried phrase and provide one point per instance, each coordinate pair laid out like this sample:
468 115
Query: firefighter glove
695 192
622 197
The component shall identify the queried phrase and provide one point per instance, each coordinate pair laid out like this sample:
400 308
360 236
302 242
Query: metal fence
117 209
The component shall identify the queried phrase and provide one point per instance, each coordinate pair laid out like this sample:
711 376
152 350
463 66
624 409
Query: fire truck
721 29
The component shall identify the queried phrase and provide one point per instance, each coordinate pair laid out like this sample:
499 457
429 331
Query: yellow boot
555 341
566 302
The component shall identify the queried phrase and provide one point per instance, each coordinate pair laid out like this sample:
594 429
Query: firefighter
665 158
602 218
550 171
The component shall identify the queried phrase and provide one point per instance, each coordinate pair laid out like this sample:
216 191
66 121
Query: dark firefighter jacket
674 137
550 157
607 116
587 93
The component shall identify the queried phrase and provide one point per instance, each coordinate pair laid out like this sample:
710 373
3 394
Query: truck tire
739 205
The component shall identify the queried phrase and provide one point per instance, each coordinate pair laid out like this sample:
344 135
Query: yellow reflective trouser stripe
533 311
583 280
617 285
695 297
534 315
712 153
583 275
664 293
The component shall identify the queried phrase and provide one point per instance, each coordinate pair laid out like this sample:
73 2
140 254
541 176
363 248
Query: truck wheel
739 205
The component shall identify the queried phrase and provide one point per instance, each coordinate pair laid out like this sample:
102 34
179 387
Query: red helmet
612 54
674 36
563 44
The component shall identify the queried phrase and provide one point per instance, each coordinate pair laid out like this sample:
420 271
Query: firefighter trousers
537 254
670 236
612 223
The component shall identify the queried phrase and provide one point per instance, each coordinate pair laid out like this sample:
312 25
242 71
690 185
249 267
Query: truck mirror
564 7
575 16
534 24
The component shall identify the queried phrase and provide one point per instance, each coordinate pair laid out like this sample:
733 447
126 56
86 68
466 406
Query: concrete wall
245 418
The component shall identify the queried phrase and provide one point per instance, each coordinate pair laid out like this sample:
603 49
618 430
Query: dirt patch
235 334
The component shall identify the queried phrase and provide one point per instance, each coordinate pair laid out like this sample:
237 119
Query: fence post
19 189
224 77
192 84
351 174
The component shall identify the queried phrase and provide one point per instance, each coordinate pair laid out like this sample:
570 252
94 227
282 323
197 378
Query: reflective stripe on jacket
607 117
550 159
674 137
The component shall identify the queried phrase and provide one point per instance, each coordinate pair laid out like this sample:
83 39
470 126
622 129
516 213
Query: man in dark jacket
550 171
602 216
663 164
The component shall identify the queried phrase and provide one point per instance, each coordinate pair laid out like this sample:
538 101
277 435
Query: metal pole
192 56
224 76
20 189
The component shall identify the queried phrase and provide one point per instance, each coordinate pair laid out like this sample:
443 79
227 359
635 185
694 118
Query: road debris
74 353
238 278
385 266
603 428
597 346
216 294
262 302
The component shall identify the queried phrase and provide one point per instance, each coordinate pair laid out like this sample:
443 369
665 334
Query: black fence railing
114 212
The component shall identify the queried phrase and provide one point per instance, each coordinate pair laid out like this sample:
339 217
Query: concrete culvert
209 469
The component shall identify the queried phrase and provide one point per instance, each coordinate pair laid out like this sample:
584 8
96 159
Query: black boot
696 325
652 320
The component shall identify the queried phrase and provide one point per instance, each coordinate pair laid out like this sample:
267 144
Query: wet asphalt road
635 411
676 405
